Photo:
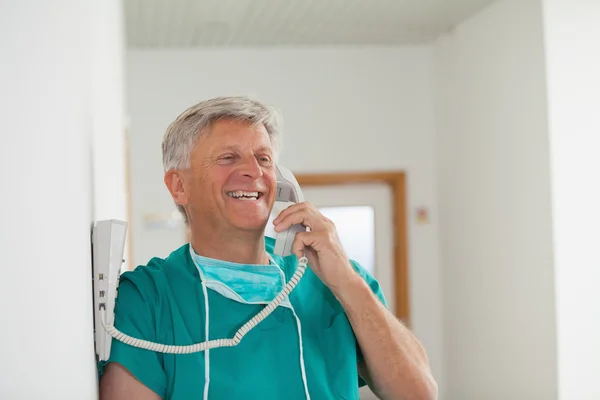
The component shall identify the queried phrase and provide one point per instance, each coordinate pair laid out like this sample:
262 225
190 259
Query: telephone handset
288 191
108 246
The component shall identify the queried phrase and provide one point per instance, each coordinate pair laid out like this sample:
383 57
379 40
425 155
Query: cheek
272 183
211 177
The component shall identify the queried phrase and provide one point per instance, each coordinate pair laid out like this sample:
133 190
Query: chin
251 226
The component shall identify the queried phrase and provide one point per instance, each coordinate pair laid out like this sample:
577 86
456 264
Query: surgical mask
244 283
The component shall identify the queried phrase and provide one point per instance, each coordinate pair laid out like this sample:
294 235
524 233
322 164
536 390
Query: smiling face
231 183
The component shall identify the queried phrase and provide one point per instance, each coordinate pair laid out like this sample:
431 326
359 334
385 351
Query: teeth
243 195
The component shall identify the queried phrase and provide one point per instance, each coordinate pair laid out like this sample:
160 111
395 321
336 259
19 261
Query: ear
174 181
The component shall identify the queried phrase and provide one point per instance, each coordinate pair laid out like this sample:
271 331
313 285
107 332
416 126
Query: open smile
245 195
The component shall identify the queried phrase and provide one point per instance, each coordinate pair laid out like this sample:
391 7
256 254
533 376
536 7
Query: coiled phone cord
215 343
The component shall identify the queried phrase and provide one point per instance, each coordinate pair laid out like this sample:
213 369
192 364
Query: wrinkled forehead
240 136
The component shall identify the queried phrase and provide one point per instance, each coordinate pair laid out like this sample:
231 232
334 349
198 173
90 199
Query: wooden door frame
397 182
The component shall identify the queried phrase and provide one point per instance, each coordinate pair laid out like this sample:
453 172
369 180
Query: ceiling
191 23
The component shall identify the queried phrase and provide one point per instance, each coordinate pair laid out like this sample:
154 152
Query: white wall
495 210
49 122
108 117
344 110
572 34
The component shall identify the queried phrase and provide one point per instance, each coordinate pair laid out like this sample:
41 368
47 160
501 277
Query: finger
290 209
303 240
298 217
304 216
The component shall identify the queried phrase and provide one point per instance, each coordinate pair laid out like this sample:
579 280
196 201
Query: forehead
228 133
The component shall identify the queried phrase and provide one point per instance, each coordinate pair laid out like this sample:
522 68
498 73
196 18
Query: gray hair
182 134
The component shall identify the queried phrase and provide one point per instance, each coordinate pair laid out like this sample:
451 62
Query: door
363 215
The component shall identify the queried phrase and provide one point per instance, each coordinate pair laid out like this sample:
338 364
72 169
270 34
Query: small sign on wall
422 215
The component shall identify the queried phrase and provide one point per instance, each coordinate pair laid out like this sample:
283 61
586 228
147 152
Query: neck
240 247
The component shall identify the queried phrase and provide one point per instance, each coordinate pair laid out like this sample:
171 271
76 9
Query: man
331 336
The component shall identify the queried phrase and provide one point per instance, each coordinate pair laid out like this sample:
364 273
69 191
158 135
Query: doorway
369 210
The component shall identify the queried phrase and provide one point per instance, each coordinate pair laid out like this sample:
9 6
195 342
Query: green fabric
163 302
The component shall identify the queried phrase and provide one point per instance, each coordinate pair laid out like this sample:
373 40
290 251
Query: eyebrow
265 149
236 148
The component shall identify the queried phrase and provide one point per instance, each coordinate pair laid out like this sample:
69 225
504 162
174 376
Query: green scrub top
163 302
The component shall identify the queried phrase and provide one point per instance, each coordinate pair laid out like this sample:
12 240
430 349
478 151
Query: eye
226 158
265 160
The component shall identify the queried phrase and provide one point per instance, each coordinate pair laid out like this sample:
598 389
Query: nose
251 168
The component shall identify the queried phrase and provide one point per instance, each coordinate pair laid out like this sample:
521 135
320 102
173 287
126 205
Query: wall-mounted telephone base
108 246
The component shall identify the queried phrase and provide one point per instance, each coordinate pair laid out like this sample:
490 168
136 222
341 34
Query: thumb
302 240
